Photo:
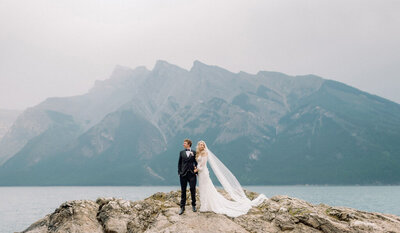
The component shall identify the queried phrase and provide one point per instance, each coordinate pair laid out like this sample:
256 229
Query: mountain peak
164 65
160 64
118 71
122 73
273 74
198 65
120 77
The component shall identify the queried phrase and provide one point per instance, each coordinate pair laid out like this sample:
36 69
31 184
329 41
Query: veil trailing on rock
230 183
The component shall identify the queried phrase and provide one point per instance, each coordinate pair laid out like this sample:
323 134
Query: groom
187 173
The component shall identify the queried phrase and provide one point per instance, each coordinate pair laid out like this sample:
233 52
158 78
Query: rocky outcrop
159 213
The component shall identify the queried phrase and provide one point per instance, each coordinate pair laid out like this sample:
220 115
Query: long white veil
229 182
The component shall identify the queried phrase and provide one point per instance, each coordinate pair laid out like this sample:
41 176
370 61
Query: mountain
268 128
7 118
87 110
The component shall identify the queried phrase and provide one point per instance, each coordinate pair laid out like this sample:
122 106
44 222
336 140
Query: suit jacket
186 164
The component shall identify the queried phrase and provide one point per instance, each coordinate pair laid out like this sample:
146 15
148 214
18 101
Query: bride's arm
202 163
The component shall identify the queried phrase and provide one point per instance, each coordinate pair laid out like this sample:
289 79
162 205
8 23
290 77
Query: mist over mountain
268 128
7 118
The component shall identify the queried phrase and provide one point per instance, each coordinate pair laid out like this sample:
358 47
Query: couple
192 163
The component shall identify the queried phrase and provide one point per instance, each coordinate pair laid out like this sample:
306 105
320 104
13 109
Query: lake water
21 206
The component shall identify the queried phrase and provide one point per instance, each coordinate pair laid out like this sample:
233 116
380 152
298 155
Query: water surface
21 206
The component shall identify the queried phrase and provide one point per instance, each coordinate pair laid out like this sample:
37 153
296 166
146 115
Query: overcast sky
59 48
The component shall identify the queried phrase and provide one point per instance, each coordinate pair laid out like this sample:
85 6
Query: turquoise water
21 206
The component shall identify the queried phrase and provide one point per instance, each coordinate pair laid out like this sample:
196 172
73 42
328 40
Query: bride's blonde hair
198 152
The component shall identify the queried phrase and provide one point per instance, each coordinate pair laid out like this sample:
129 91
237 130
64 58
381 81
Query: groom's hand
195 169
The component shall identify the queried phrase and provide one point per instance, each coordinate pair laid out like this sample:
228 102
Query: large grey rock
159 213
71 216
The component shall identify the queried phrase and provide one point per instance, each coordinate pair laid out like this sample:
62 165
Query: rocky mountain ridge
268 128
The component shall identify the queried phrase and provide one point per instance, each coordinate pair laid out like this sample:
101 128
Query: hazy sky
59 48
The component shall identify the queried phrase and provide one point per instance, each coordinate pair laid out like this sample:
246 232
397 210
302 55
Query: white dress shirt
188 152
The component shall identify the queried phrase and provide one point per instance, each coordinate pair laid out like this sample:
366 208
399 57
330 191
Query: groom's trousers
191 178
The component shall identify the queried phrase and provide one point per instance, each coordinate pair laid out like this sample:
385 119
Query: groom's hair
188 141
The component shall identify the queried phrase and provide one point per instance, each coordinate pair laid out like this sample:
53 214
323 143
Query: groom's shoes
182 210
194 208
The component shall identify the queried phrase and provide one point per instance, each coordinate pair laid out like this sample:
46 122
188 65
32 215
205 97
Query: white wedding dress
211 199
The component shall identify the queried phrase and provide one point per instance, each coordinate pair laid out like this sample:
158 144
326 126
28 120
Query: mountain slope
7 118
87 110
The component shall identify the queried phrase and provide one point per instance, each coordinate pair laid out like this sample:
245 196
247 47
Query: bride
210 198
